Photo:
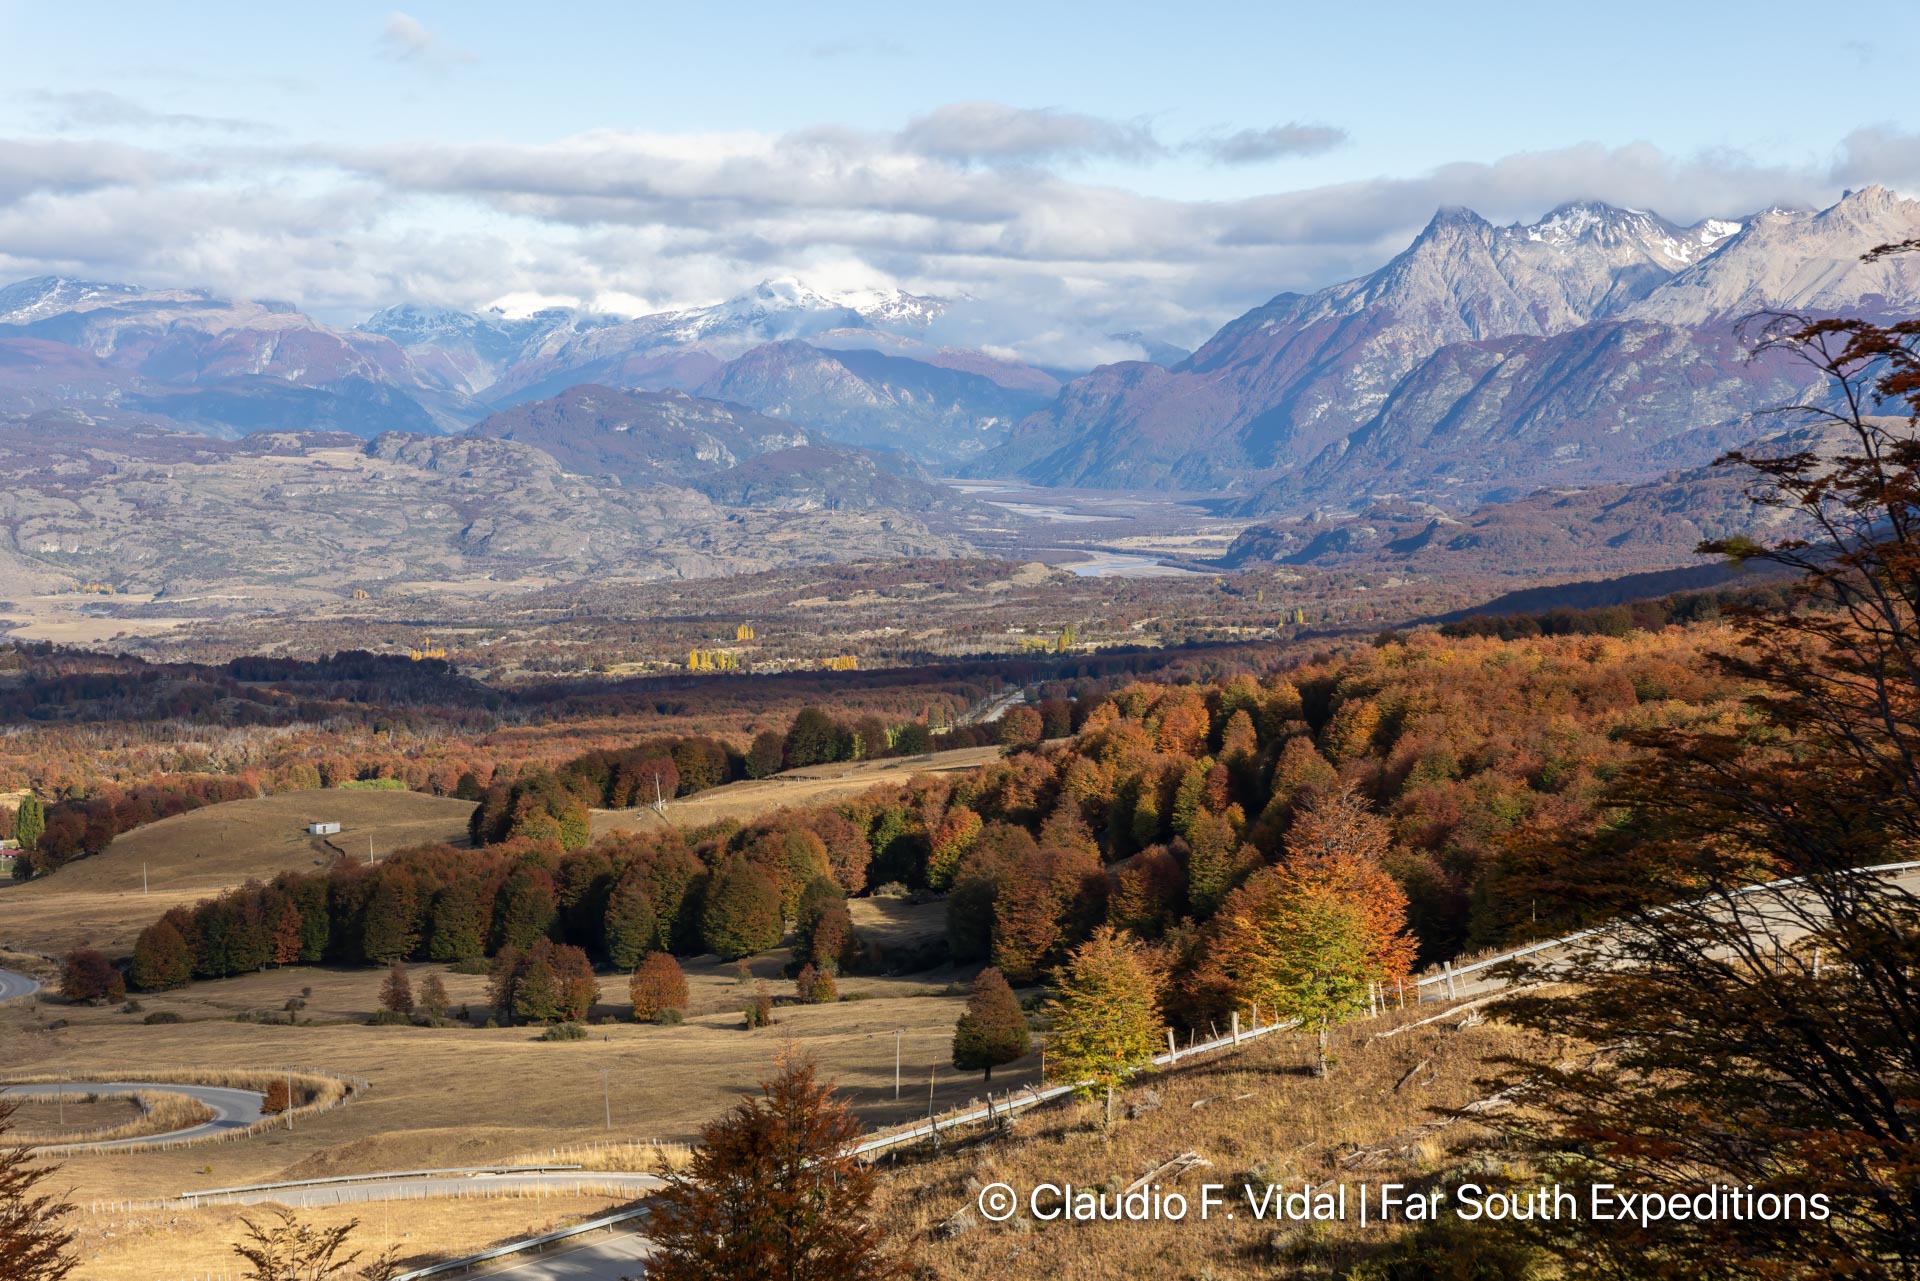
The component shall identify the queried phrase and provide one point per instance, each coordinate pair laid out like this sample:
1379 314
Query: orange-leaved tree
1314 937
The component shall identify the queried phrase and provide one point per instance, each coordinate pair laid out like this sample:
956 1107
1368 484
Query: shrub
814 987
163 1016
759 1011
564 1032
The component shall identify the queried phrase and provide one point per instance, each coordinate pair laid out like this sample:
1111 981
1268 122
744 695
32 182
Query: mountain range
1483 362
857 364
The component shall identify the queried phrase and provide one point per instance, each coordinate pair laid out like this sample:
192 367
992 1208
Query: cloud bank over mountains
1029 211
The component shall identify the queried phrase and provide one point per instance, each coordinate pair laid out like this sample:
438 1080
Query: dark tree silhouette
1768 1039
33 1245
771 1194
992 1030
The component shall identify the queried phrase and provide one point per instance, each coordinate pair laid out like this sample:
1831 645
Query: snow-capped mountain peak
26 301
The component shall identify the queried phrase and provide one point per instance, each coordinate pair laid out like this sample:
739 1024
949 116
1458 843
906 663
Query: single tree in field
503 983
433 999
1301 955
772 1193
396 990
33 1245
657 986
993 1029
1105 1015
87 975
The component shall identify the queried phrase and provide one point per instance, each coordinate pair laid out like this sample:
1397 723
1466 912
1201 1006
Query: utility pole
289 1100
896 1067
369 849
143 878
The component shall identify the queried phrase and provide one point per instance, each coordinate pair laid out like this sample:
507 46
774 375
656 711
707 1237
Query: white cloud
994 133
407 38
98 109
960 201
1254 146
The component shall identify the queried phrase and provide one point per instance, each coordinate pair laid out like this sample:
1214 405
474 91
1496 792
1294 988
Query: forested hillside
1426 755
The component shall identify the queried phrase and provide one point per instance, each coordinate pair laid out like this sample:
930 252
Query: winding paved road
14 986
232 1109
614 1257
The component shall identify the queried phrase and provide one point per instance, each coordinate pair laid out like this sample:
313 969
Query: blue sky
1072 166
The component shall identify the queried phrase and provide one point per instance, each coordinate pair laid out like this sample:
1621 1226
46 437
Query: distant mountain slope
1601 529
315 515
225 366
510 359
723 450
871 398
1479 360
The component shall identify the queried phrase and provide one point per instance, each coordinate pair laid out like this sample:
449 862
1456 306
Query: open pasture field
467 1095
190 1245
811 785
100 901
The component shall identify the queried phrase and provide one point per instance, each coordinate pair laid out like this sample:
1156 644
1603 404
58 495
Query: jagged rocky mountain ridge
1482 362
1596 345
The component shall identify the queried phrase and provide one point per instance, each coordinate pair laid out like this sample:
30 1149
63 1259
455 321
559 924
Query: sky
1072 170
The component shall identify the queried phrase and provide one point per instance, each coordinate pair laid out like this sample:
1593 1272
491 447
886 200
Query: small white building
323 829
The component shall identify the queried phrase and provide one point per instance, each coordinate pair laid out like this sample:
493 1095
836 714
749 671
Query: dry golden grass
813 785
1259 1116
98 902
185 1245
313 1093
102 1118
623 1157
467 1096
